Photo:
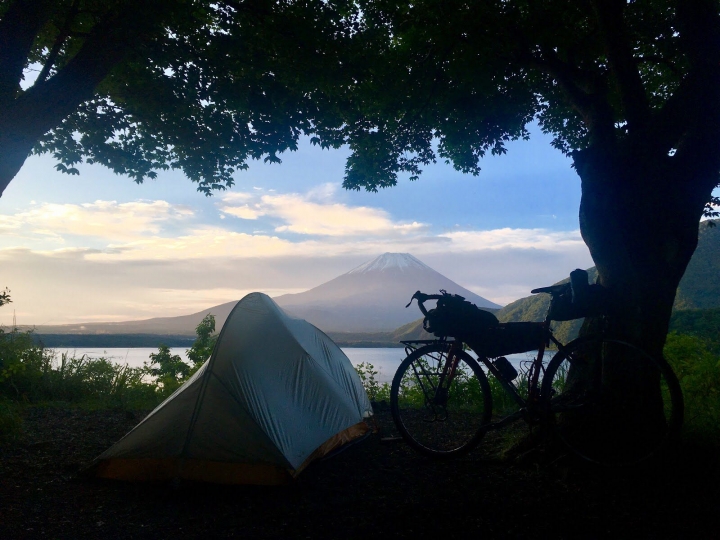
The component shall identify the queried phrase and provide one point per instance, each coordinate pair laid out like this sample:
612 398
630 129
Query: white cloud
515 238
242 212
119 261
316 213
107 220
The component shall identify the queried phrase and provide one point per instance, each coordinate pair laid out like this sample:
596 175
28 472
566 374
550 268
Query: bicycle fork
437 395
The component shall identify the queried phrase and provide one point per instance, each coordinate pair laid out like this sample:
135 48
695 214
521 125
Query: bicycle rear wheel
612 403
440 421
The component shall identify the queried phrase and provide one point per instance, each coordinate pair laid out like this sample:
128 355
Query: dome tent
276 394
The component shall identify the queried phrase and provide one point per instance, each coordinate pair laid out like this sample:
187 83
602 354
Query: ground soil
374 489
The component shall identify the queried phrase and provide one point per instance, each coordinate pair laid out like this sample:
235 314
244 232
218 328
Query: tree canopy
145 86
203 86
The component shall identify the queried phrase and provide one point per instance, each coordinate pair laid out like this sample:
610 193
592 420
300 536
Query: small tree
203 346
170 372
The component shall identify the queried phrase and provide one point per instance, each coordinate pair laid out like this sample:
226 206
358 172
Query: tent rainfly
276 394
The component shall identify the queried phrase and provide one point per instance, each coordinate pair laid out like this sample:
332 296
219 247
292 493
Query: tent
276 394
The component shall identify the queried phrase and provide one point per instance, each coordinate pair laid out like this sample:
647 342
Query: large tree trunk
639 216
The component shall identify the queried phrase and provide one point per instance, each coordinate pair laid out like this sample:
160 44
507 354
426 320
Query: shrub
31 374
10 421
374 389
698 370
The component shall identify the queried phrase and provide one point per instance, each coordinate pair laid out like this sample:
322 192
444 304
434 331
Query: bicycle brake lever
414 296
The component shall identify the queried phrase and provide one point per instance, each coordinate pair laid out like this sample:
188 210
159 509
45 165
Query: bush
374 389
698 370
10 421
31 374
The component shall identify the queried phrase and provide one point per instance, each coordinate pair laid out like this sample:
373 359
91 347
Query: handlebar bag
593 302
453 316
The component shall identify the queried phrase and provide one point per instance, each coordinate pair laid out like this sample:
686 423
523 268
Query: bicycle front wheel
435 418
612 403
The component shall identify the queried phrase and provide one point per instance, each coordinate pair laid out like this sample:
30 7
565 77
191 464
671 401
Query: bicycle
442 404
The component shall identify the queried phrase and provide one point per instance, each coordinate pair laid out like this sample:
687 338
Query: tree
142 86
202 347
168 369
630 90
5 297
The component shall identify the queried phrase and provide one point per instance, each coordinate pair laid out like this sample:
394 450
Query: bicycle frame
528 407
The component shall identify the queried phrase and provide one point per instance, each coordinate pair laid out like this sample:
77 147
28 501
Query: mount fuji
372 297
369 298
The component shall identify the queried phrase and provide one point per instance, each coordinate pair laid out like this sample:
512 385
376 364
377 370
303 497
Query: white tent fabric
276 393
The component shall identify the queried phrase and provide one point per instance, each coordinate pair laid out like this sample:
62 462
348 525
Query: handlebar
422 298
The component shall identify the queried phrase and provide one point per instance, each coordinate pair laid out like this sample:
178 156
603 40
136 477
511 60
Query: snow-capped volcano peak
388 261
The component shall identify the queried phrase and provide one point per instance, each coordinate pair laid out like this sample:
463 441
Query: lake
385 360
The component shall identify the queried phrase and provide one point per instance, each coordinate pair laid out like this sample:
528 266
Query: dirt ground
374 490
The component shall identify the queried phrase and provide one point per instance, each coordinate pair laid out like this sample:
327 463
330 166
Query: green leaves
5 297
167 366
203 346
212 85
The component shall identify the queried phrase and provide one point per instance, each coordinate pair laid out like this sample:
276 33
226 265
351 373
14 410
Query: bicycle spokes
611 402
439 400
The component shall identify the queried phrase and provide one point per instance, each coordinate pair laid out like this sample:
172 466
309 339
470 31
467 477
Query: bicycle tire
440 430
601 424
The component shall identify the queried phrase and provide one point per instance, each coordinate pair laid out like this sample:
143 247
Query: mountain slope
372 297
182 325
699 288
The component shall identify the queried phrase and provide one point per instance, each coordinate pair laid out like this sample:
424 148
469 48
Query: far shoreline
110 341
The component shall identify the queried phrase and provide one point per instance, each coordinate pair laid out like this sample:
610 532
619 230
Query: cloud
316 213
120 261
108 220
515 238
242 212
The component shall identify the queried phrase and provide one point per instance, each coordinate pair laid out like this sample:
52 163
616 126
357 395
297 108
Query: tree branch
592 105
59 41
690 119
622 62
43 106
18 28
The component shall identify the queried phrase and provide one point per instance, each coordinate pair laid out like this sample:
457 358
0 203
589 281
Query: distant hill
183 325
699 288
409 331
111 341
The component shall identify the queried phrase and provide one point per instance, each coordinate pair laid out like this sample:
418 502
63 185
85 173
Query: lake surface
384 360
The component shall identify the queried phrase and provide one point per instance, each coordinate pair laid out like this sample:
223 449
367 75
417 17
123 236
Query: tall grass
30 373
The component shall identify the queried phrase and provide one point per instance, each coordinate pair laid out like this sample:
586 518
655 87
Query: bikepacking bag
580 300
507 338
453 316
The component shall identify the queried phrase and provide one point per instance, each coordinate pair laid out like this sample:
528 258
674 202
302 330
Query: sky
98 247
